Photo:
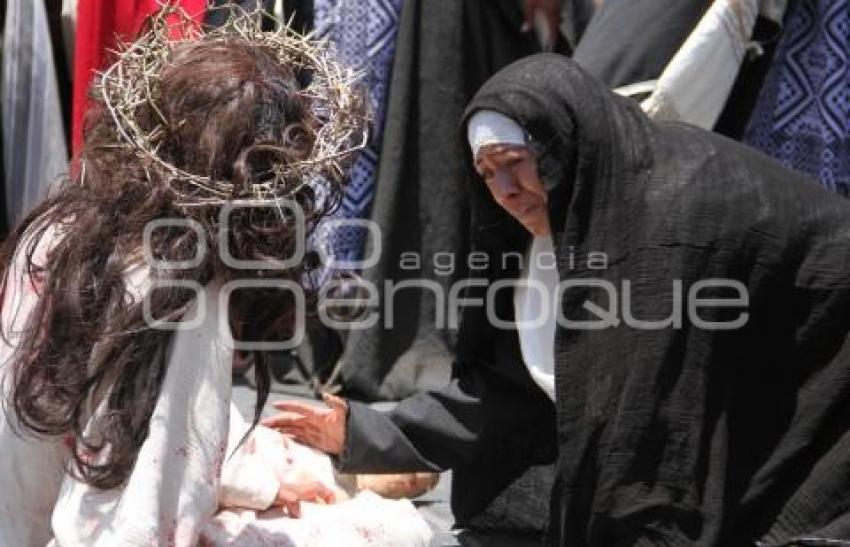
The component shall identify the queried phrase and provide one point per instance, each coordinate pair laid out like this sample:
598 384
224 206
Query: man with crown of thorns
207 160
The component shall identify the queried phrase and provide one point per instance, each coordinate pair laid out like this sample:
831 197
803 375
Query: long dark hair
227 108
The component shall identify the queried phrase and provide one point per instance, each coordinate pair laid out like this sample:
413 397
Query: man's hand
550 11
319 428
290 496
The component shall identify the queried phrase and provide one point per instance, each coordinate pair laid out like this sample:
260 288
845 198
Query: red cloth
101 25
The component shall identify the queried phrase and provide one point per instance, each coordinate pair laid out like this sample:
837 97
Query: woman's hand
319 428
290 496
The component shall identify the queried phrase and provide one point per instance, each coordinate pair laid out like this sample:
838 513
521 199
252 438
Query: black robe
689 436
672 436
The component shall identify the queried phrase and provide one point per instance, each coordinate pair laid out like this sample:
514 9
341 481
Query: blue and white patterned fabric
802 117
364 35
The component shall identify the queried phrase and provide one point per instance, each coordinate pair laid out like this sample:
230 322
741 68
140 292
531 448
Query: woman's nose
504 186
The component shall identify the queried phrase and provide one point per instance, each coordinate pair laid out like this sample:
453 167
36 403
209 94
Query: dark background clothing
61 64
301 12
417 204
221 9
744 94
445 50
575 16
631 41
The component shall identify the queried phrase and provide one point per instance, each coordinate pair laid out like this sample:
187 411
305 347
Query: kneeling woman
117 430
701 387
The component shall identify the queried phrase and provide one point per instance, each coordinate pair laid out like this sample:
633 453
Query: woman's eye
512 162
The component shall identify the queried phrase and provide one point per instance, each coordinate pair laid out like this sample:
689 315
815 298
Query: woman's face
510 173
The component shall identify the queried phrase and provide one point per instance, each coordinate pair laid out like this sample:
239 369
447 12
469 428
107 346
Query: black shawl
685 436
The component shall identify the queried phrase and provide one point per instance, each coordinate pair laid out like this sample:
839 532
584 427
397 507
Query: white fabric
696 84
491 127
187 486
638 88
35 155
69 30
30 471
535 312
250 482
173 488
365 521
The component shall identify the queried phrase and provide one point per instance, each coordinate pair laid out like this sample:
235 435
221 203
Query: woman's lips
527 209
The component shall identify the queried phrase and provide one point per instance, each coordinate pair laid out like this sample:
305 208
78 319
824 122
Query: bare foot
404 485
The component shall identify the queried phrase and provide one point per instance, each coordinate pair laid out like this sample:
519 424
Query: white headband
491 127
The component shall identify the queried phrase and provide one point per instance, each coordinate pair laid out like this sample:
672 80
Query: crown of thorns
333 93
